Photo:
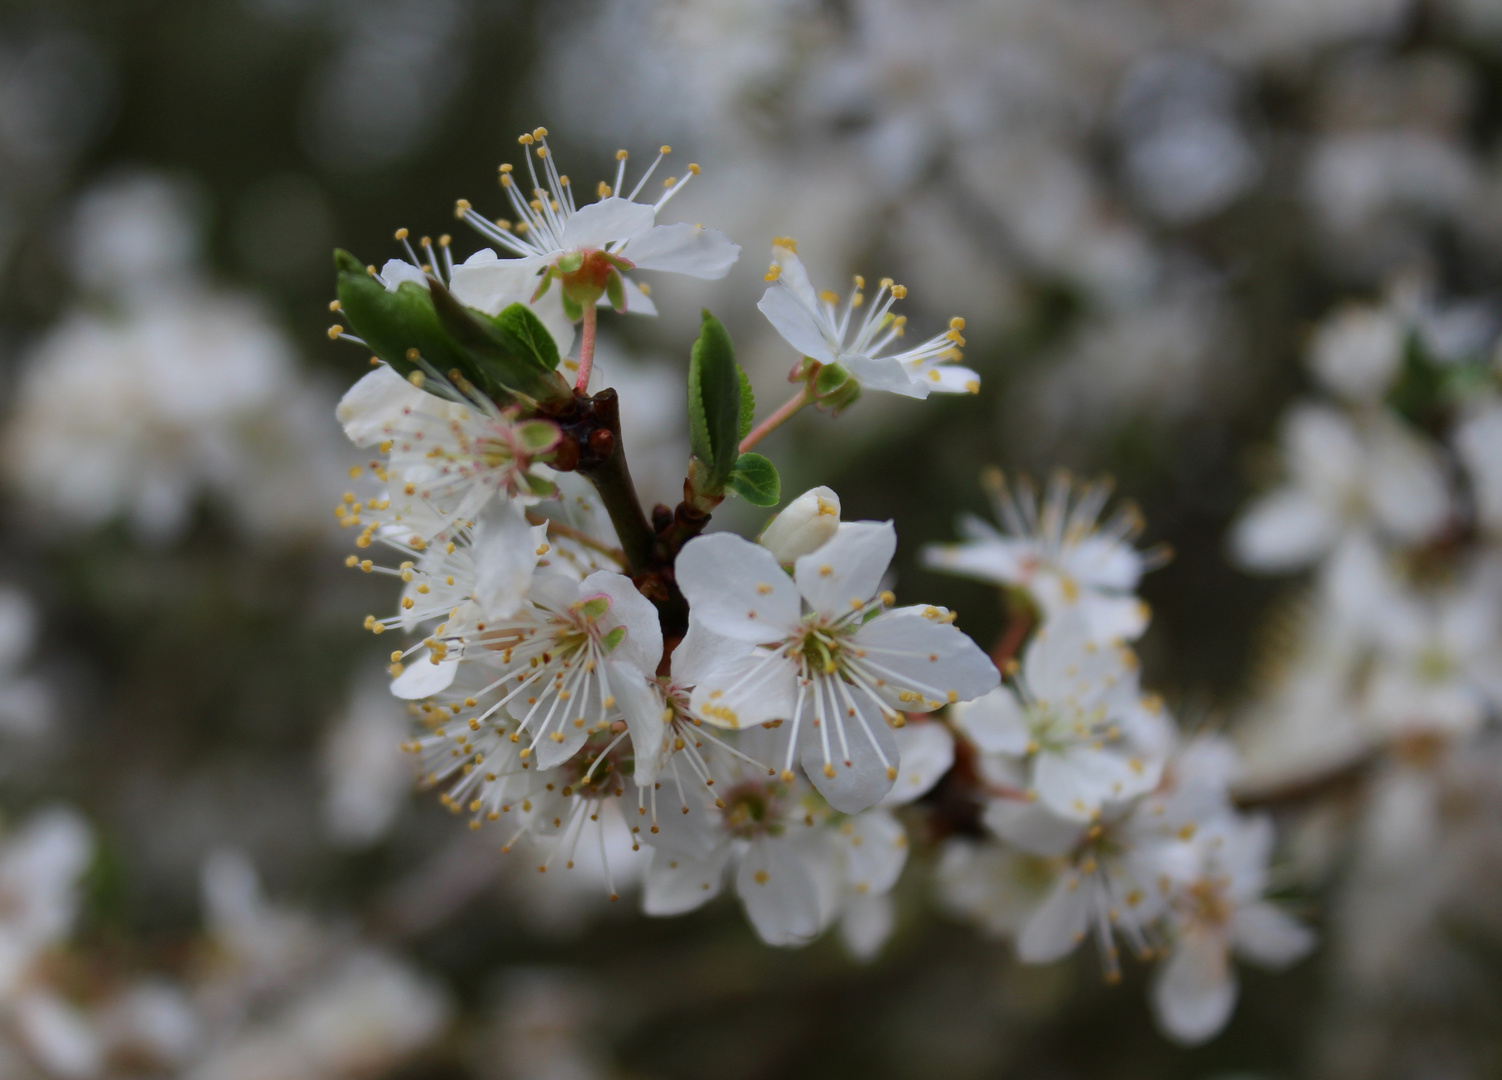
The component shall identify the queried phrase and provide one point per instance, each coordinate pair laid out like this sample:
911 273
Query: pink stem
763 429
586 348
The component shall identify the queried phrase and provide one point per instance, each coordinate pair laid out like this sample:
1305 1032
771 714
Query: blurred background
1143 208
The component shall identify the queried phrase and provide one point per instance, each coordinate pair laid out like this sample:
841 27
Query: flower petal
597 224
746 692
1283 530
1031 827
684 249
778 894
920 654
642 708
845 573
875 849
1195 990
1057 926
1265 935
1075 782
675 884
736 588
797 324
423 678
642 644
884 373
926 753
857 728
995 722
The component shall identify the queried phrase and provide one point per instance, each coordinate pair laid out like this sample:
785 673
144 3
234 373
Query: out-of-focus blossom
25 700
368 777
1055 549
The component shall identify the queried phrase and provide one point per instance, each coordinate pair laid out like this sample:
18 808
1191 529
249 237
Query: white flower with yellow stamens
1056 550
1074 729
552 232
829 657
823 329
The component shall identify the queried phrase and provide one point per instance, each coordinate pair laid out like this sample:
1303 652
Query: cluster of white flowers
1387 673
275 995
163 389
1110 824
763 712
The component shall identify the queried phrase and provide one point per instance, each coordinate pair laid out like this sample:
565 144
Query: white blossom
830 659
821 328
551 227
1055 550
1345 475
1074 730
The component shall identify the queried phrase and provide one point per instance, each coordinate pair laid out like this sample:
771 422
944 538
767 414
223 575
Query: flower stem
587 348
771 423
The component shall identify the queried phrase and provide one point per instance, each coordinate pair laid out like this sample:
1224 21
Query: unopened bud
804 526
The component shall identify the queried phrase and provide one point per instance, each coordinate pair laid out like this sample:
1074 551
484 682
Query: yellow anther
787 243
461 207
540 133
773 273
956 323
829 297
401 234
665 149
694 169
526 140
670 181
899 291
603 190
335 331
333 305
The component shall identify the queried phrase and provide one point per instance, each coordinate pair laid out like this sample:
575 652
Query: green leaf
394 323
714 401
755 479
538 436
538 345
748 403
504 359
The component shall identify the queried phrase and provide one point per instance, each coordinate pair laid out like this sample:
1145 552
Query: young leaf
714 401
748 403
394 323
755 479
522 323
504 359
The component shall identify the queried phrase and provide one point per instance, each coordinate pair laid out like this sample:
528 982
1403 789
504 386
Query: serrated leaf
748 403
522 322
755 479
714 401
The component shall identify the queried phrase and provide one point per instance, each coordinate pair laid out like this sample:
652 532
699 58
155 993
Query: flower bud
805 525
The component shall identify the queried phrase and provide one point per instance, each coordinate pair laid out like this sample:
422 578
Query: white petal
994 560
884 373
794 277
1074 783
919 651
675 884
642 708
746 692
1031 827
736 588
1195 991
599 223
779 896
505 558
642 644
866 924
926 752
1056 928
861 780
1283 530
1406 483
949 379
845 573
397 272
702 652
684 249
637 301
422 678
379 399
875 848
995 722
1266 936
799 326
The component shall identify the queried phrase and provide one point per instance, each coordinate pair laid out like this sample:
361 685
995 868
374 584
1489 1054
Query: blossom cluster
763 712
1383 684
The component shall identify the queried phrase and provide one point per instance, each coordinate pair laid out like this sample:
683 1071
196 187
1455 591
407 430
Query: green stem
771 423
